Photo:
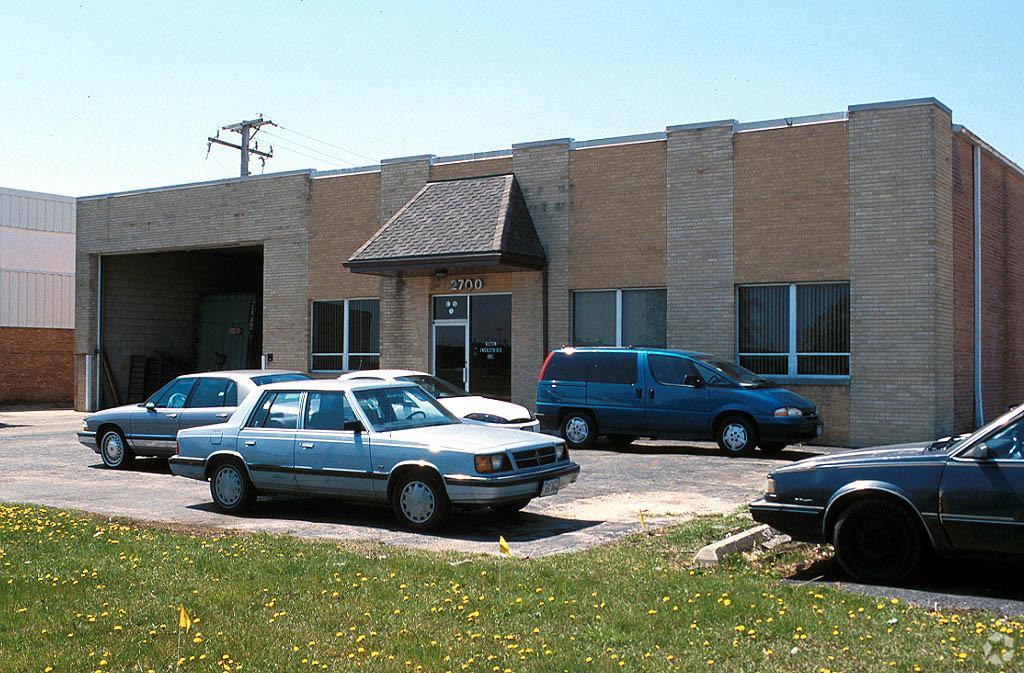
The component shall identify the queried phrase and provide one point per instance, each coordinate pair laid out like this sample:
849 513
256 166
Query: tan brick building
867 259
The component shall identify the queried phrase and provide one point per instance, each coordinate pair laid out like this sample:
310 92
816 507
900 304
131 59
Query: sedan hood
471 438
113 411
474 404
875 456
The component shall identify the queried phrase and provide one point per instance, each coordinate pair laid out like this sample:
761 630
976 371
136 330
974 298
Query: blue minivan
625 393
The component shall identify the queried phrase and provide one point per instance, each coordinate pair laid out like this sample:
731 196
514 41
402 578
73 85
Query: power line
311 149
324 142
310 156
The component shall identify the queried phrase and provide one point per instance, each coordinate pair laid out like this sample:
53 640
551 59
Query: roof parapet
907 102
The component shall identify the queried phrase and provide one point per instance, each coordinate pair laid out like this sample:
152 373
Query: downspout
979 411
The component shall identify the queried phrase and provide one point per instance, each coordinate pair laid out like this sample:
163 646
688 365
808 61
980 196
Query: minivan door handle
651 393
639 394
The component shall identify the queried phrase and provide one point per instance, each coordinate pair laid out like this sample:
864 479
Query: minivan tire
579 429
878 542
736 436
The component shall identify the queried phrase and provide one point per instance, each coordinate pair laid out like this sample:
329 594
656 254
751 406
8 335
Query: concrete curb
711 554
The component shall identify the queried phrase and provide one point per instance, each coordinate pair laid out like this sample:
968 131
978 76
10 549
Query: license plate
549 487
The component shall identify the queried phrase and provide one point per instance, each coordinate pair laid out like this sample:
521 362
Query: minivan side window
613 368
713 378
562 366
670 370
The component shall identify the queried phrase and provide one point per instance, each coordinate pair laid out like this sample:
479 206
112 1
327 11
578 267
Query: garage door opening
172 313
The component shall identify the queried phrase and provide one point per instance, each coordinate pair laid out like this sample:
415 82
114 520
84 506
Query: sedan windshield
740 375
439 388
402 408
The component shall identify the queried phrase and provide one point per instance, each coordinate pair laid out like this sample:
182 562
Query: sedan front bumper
478 490
800 522
88 438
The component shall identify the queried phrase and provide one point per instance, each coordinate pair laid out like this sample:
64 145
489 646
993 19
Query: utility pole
248 130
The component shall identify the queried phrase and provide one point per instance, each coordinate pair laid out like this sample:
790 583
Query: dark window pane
279 378
450 308
613 368
175 395
284 412
328 327
643 318
823 318
327 411
328 363
490 346
211 393
766 364
259 416
670 370
764 319
593 318
823 365
564 366
364 326
363 362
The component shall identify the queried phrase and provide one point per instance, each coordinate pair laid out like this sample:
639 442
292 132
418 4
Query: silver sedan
370 441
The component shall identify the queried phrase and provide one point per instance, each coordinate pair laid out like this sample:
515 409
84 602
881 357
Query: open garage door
171 313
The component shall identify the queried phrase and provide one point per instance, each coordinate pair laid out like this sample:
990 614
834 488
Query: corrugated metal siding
32 299
33 210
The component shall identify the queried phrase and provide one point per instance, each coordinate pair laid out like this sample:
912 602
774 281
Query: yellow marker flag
503 546
643 525
184 621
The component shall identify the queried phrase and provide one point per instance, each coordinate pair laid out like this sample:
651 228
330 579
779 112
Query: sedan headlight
769 486
495 462
485 418
788 411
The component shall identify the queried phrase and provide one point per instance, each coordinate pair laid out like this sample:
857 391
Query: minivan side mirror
150 406
693 380
982 452
353 426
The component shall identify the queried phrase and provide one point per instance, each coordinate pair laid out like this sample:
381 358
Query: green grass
81 593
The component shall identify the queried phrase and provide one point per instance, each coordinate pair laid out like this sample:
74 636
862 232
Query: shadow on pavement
142 465
788 455
476 525
982 584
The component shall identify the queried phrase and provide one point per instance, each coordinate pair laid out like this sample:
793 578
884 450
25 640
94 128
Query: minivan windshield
740 375
439 388
401 408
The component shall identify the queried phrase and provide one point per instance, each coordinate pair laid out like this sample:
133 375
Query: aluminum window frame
618 313
792 355
346 354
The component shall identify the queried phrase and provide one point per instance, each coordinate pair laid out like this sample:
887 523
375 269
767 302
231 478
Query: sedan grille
528 458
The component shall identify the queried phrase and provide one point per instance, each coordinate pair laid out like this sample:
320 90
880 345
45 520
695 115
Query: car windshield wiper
944 443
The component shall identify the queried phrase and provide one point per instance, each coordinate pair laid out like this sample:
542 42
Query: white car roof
384 374
334 384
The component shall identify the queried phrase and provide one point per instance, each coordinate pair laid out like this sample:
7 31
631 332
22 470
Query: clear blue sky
103 96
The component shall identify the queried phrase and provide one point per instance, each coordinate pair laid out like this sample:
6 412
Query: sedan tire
877 542
420 501
114 450
736 436
579 429
230 488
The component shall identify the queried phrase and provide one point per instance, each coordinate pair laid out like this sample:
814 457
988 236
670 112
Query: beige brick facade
344 212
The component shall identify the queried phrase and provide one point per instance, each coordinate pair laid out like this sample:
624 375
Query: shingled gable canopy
473 224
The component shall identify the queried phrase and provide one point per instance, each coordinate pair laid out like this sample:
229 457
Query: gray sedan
371 441
885 509
149 428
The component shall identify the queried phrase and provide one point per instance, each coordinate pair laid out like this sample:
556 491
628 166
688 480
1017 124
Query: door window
490 346
450 353
614 368
1008 443
213 392
176 394
568 366
327 411
277 410
670 370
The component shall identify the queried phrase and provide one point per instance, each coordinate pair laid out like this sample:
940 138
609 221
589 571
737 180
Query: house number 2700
462 284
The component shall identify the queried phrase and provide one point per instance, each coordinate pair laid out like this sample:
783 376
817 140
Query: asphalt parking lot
43 463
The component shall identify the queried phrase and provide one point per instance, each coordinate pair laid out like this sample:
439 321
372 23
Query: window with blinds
345 335
798 329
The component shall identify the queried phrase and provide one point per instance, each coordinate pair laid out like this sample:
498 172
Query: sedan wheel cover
417 502
734 436
228 485
577 430
113 448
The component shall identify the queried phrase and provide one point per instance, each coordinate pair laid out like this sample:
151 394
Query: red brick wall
36 365
963 284
1002 327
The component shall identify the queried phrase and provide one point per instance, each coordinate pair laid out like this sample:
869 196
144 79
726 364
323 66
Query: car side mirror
982 452
353 426
693 380
150 406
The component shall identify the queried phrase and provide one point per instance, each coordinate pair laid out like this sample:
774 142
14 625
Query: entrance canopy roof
479 224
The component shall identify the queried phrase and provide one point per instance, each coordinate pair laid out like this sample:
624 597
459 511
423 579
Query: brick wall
963 284
791 215
699 208
37 365
470 169
901 274
617 195
271 211
344 212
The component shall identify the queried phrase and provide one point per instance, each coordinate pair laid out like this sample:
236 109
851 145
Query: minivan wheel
420 501
579 430
114 450
736 436
231 489
877 542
